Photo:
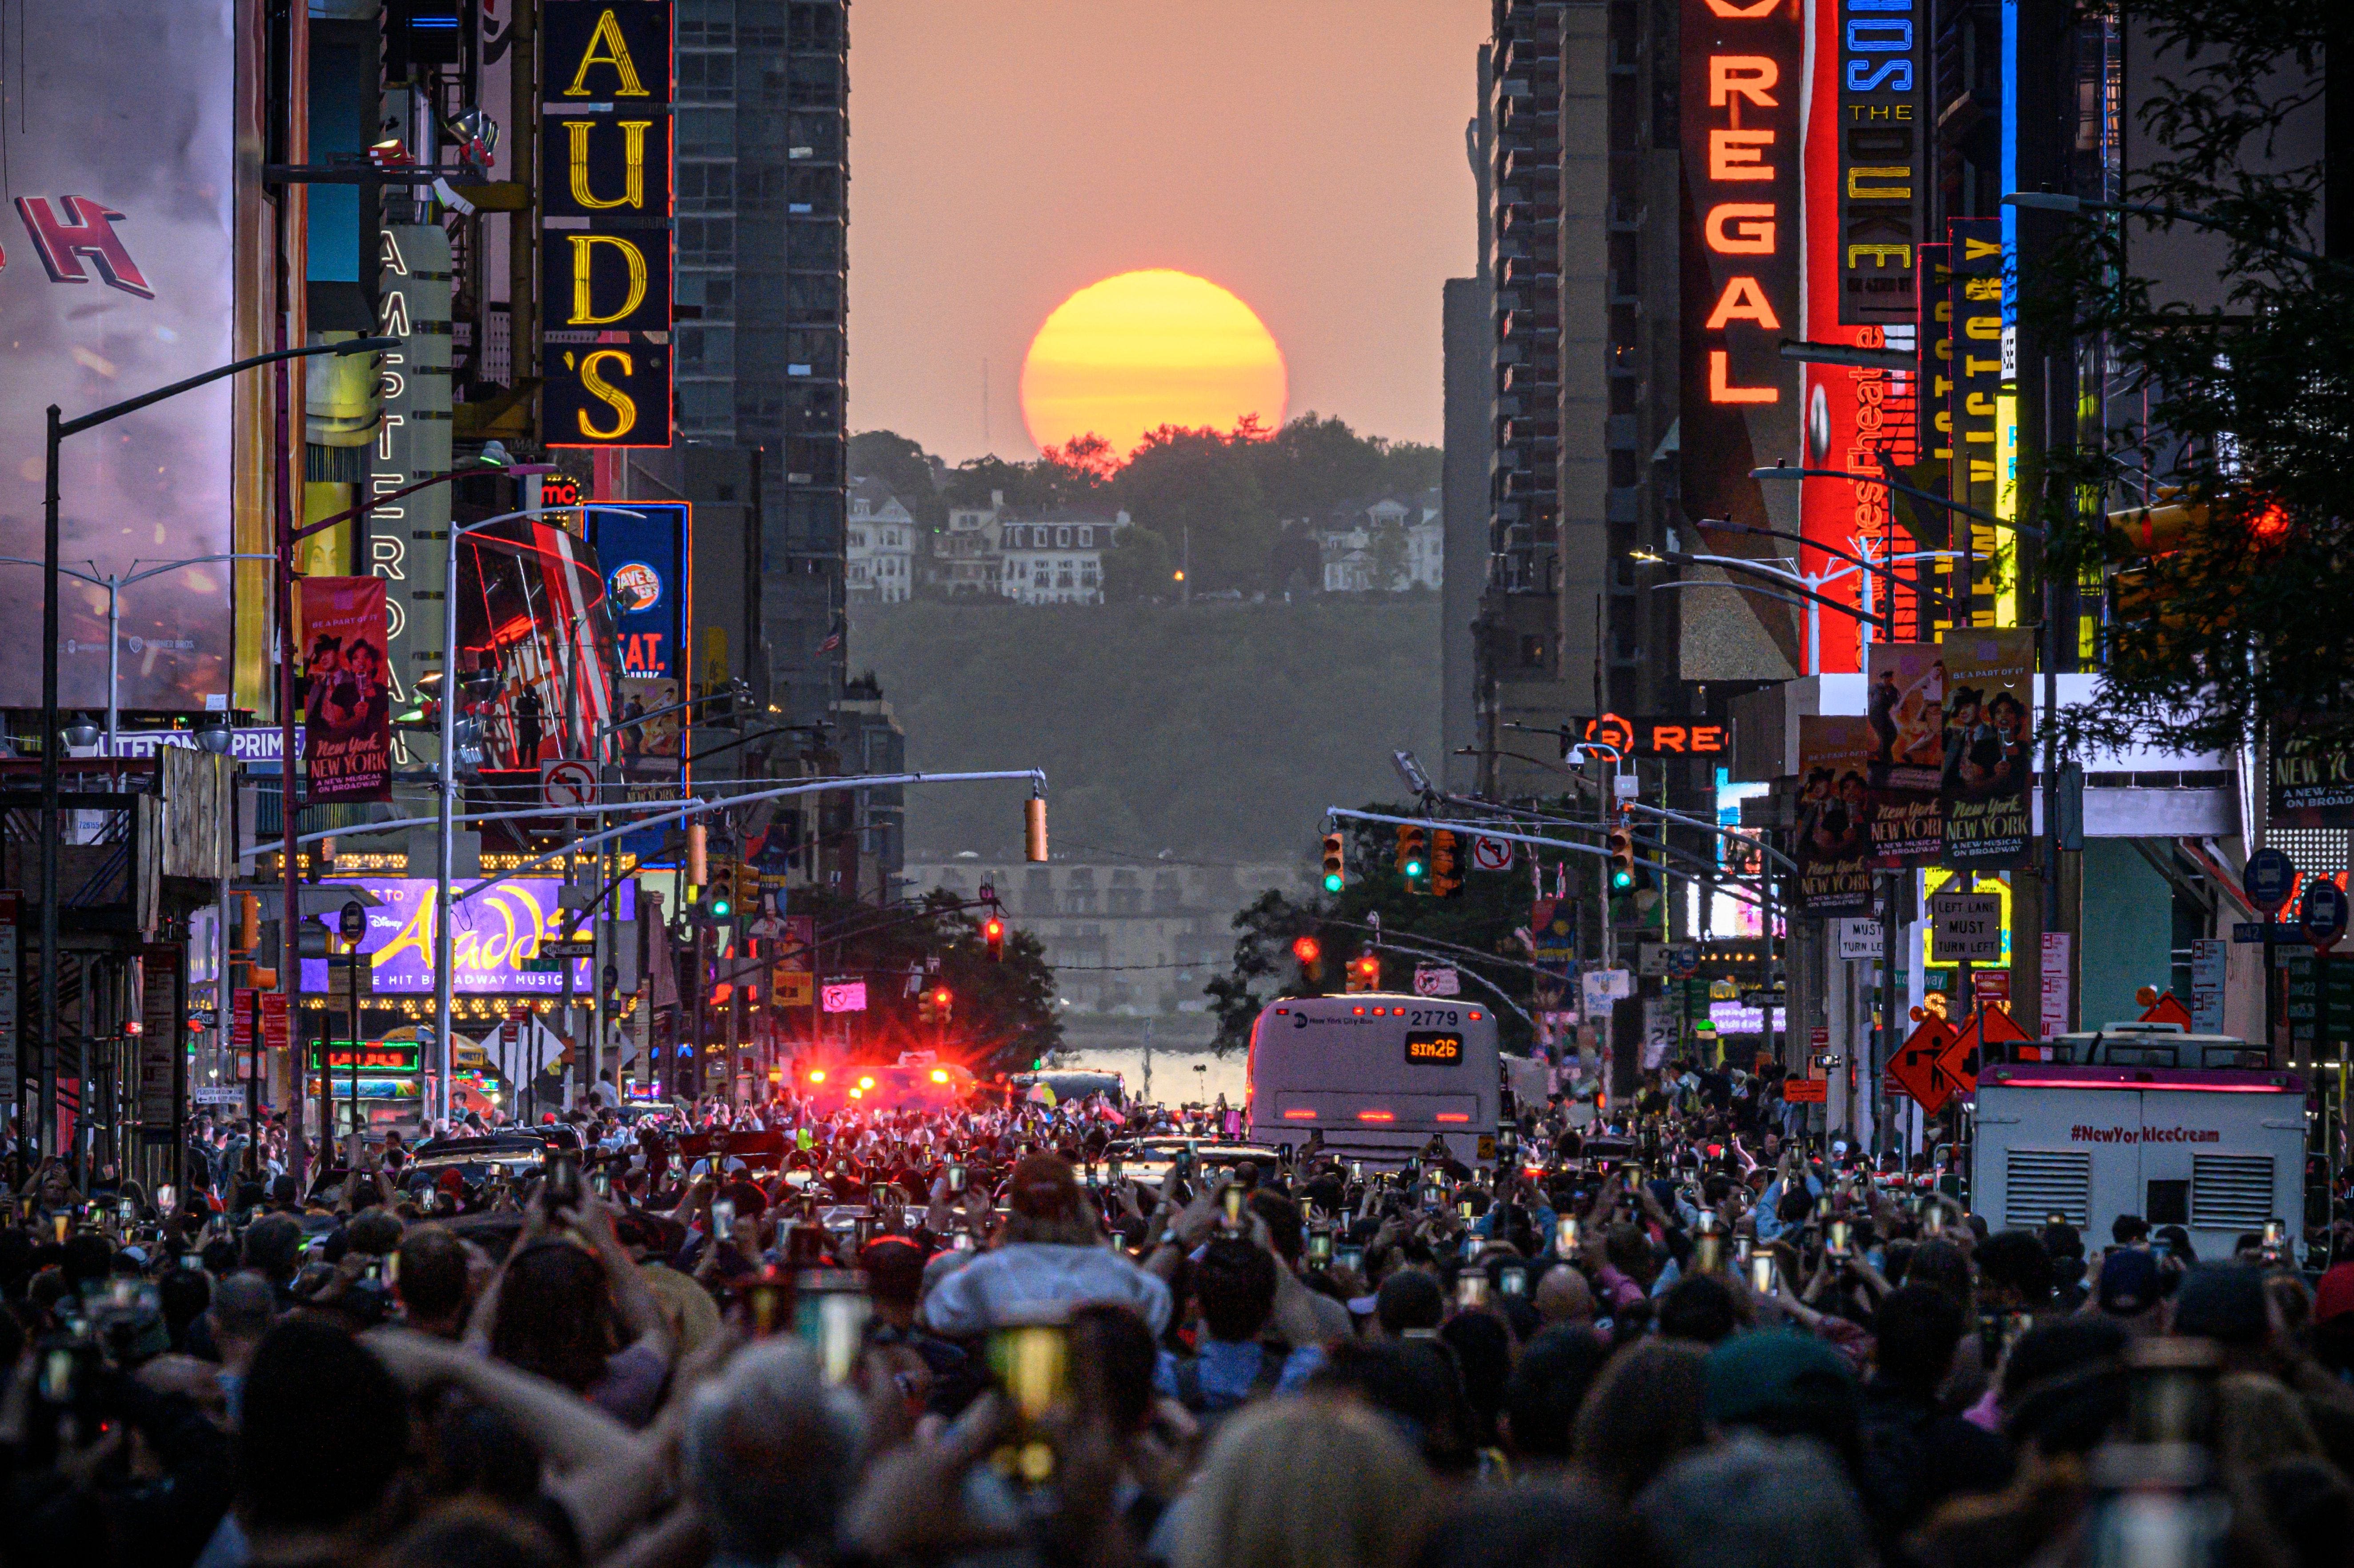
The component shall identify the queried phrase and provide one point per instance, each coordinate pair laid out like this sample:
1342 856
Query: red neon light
1452 1116
2009 1083
1300 1116
1377 1116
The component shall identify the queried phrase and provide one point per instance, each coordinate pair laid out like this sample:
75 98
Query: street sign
843 996
1492 855
2246 931
2322 914
1807 1091
2267 879
1918 1065
1859 939
1651 958
1990 985
568 783
1965 927
1438 979
1683 960
567 950
352 921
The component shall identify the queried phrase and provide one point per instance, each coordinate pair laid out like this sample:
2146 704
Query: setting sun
1146 349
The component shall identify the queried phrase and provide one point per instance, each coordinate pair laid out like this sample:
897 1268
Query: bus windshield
1375 1076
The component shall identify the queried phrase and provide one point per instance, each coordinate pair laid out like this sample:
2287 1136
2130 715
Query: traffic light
1336 875
721 899
699 867
923 1006
1413 857
943 1004
1445 865
993 934
1311 954
746 888
1622 856
1365 973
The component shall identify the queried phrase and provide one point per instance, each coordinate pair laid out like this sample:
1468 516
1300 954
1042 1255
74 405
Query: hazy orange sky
1307 154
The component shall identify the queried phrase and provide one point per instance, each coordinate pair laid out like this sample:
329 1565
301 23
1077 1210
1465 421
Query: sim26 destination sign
1433 1048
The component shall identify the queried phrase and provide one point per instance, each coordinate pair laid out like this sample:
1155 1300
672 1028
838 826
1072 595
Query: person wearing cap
1050 1257
2130 1290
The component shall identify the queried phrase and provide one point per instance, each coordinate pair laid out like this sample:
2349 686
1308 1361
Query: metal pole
445 785
46 1137
114 657
290 973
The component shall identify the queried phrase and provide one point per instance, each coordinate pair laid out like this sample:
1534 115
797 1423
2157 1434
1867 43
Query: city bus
1378 1075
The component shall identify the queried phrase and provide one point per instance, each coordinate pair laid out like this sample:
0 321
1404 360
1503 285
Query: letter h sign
87 231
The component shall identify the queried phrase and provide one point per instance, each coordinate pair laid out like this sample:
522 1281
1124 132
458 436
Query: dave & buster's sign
605 245
1642 736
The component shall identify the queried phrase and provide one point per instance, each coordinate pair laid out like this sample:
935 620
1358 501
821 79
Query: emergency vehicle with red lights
1377 1076
918 1080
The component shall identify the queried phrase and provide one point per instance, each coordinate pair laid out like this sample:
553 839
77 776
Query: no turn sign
1492 855
567 783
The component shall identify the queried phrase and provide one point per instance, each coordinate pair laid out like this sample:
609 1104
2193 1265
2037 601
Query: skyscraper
763 145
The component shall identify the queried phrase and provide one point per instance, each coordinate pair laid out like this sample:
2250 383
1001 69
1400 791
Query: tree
1137 568
1190 485
1388 552
910 471
2243 410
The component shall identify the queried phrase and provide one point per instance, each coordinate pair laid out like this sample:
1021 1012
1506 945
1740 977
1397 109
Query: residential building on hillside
1054 559
880 549
1129 941
1390 545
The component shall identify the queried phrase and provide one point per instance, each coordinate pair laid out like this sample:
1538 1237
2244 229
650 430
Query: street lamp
58 429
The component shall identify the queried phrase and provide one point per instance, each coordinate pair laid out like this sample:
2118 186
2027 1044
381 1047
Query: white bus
1376 1074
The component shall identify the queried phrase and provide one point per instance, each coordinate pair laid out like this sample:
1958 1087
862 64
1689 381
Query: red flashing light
1476 1015
1306 949
1300 1116
817 1076
1452 1116
1377 1116
1358 1011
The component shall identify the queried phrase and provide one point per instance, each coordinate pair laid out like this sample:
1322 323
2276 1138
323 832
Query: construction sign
1920 1065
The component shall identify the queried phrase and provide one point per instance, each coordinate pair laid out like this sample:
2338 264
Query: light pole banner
346 708
119 241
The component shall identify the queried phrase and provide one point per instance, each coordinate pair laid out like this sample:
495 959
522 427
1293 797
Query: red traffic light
1306 949
993 936
940 997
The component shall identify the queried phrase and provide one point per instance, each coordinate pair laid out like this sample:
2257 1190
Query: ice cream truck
2195 1130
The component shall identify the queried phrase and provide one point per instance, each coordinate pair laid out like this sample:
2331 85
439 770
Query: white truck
2187 1129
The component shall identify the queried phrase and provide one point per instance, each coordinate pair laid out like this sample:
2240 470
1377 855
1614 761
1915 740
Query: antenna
986 446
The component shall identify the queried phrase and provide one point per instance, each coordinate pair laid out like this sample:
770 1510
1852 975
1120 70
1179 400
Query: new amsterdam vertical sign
604 192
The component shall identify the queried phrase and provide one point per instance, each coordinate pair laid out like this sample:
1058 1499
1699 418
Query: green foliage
1220 731
1477 932
1003 1012
1139 569
906 468
2241 401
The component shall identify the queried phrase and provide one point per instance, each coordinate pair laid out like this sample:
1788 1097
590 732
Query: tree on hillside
1189 487
906 468
1137 568
1064 479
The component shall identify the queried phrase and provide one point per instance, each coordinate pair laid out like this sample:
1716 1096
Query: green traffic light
1620 881
1331 882
721 909
1414 868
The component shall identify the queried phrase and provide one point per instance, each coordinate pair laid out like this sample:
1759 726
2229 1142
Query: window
1062 538
708 240
1533 652
705 132
706 350
708 78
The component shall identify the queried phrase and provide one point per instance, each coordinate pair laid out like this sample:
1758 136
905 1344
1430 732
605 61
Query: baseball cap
2129 1282
1775 1379
1044 1188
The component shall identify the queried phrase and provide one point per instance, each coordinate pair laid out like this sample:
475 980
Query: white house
1057 558
1391 544
881 545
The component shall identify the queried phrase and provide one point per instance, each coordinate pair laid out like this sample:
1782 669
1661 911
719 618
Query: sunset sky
1305 154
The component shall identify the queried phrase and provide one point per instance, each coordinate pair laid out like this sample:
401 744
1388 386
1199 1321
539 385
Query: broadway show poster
1907 711
347 709
1989 746
1835 812
2312 776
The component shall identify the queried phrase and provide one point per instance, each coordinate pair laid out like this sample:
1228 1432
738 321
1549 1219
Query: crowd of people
1021 1334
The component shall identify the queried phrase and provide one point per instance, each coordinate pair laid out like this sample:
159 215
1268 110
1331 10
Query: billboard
647 585
117 273
1743 94
606 205
493 935
347 712
1835 836
1883 174
1974 294
1905 706
1989 746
